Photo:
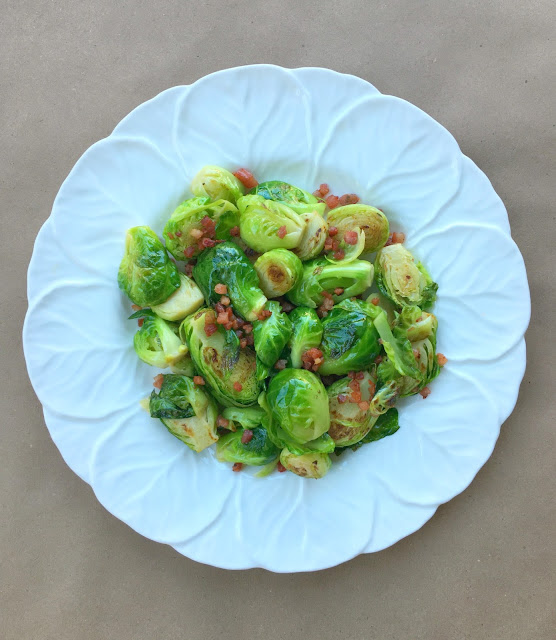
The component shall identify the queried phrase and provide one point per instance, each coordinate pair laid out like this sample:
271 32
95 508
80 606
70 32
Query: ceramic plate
305 126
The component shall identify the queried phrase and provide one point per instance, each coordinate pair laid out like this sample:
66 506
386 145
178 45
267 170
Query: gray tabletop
483 566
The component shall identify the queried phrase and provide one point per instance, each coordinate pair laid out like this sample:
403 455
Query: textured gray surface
483 566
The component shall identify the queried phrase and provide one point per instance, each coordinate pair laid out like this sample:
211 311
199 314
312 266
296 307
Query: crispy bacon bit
351 237
324 189
222 318
442 359
178 234
264 314
234 231
171 236
243 343
238 466
219 308
359 375
250 340
425 392
318 195
136 307
280 468
239 333
225 300
210 328
364 406
328 244
189 252
342 398
286 306
354 385
206 243
222 422
188 270
351 375
246 436
238 386
246 178
247 328
208 223
158 380
196 233
240 322
312 359
280 364
221 289
355 397
140 322
372 388
338 291
376 301
398 237
326 306
335 245
198 380
282 231
339 255
332 231
348 198
228 326
332 201
378 359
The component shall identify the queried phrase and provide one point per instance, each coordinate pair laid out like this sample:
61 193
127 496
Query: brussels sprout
265 224
187 219
278 271
262 370
260 450
411 361
146 274
247 417
157 343
307 465
297 412
186 411
386 425
320 276
183 302
306 333
229 371
349 423
217 184
370 220
349 338
271 335
402 279
227 264
286 193
398 349
351 251
314 236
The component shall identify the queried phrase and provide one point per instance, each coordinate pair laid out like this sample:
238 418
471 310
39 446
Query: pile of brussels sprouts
276 355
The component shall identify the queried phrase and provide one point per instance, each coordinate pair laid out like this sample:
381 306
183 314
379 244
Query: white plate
305 126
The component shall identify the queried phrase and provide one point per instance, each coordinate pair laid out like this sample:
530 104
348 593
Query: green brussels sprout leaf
217 184
258 451
306 333
271 335
278 270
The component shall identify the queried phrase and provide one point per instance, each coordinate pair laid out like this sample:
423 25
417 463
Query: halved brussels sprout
271 335
146 274
306 465
186 220
227 264
348 422
386 425
349 339
157 343
188 412
265 224
297 412
183 302
258 451
306 333
247 417
370 220
278 271
320 276
217 183
314 236
411 364
403 280
351 251
229 371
